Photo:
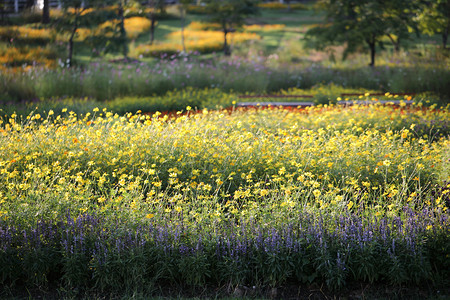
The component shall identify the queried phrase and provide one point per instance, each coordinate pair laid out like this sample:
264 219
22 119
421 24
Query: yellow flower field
216 165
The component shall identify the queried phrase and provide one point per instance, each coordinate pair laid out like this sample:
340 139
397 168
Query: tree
435 18
288 3
399 17
3 8
157 7
183 8
46 12
114 37
122 37
111 37
73 18
29 3
230 14
358 23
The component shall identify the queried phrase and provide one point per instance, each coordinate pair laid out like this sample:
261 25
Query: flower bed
327 195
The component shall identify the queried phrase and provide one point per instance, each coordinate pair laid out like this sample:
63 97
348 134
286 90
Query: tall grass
108 81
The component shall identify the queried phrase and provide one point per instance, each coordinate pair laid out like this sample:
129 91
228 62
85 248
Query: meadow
143 177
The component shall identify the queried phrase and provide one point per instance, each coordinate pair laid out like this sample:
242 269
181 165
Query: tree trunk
2 13
226 47
152 5
46 12
397 46
183 16
395 43
70 48
162 8
29 3
152 27
371 42
123 33
445 37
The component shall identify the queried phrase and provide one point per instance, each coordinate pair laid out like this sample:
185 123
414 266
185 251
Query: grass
114 81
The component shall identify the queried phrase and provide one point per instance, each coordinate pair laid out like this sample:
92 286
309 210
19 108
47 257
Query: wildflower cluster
91 252
244 197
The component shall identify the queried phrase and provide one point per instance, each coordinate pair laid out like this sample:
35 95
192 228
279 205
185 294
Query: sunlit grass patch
264 28
28 56
202 41
27 34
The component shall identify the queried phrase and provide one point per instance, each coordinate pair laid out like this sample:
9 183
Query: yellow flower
404 134
350 205
157 183
316 193
339 198
149 216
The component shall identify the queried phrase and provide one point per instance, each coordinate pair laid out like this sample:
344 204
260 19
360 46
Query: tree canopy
434 18
363 23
